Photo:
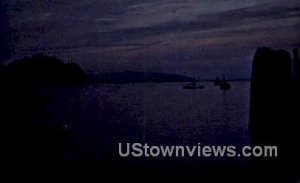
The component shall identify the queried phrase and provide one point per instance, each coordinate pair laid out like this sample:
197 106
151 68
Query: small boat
224 85
193 85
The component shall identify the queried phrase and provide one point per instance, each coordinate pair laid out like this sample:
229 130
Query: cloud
154 34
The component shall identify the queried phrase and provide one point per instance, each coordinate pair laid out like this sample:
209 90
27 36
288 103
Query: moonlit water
155 113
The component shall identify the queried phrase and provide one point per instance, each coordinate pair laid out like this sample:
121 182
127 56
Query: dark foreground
35 149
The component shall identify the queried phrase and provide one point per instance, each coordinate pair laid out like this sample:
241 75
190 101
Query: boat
224 85
193 85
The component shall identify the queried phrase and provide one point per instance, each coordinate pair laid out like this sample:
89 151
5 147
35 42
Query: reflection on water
155 113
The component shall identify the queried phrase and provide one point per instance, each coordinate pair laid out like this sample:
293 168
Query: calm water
156 113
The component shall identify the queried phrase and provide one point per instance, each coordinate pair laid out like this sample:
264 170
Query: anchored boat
193 85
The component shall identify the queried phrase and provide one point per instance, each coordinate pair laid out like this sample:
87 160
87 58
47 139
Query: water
155 113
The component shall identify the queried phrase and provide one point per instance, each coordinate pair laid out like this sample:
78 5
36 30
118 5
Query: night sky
193 37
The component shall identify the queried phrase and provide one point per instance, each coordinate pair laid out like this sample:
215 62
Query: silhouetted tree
22 108
41 69
272 112
296 61
270 95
